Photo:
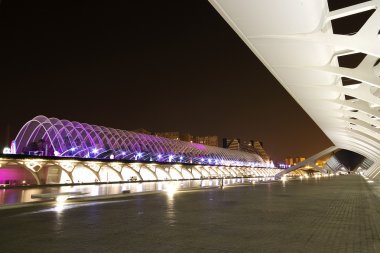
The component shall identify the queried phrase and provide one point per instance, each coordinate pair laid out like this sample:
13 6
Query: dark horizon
167 66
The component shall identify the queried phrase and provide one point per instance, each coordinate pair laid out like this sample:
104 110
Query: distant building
169 135
206 140
259 148
232 144
186 137
320 163
294 160
142 131
246 146
289 161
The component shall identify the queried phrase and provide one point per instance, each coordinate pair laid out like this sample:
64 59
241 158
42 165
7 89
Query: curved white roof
294 39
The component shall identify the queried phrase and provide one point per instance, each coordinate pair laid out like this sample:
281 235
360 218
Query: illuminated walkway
325 215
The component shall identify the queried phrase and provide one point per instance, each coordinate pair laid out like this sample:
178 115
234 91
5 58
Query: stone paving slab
339 214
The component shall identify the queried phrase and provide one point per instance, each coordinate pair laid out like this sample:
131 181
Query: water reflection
13 196
171 189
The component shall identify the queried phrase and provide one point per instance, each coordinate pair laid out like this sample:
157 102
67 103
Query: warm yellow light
60 202
171 189
61 199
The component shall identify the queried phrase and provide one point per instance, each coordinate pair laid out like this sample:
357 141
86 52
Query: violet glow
17 176
83 139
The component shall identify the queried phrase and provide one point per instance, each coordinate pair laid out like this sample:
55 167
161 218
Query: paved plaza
337 214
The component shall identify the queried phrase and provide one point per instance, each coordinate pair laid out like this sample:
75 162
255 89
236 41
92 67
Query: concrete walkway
338 214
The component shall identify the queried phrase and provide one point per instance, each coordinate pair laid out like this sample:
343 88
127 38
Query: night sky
158 65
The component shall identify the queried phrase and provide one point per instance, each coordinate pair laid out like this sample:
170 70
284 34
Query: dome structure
55 137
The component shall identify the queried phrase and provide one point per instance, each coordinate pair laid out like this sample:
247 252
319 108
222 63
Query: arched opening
106 174
82 174
17 176
252 172
204 172
174 174
186 174
265 172
196 173
162 174
65 178
238 172
130 174
221 172
50 174
232 172
261 172
213 172
147 174
235 172
255 173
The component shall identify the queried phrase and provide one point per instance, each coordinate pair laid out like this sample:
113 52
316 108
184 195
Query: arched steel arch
73 139
39 169
296 42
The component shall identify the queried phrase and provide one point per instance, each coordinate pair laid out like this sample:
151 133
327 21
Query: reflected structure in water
13 196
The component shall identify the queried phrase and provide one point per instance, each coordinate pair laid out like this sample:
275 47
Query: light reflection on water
171 211
59 209
13 196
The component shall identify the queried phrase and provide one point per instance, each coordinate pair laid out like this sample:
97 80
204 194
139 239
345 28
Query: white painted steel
294 39
125 171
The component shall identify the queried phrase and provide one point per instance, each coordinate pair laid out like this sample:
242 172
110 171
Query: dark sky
159 65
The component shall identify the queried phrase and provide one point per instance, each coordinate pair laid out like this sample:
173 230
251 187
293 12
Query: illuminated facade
72 152
207 140
247 146
294 160
59 170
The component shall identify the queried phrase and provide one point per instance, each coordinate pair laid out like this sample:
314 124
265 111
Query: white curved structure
294 39
56 170
55 137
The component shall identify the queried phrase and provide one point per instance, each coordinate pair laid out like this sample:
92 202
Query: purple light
56 153
13 147
82 136
17 175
